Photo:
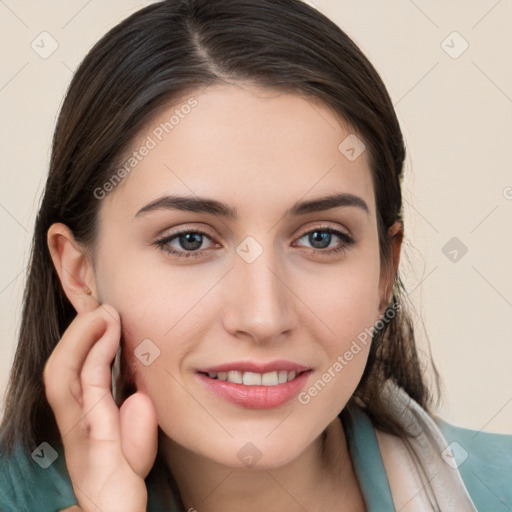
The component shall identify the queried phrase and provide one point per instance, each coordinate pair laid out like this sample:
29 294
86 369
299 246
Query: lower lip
256 397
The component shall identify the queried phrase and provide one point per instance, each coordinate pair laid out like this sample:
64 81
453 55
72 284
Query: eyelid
325 226
186 228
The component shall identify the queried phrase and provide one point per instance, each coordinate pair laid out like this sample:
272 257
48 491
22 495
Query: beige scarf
420 478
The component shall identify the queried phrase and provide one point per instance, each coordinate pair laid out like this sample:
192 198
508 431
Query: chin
258 454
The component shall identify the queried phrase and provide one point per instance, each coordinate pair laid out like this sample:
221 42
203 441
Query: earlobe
73 267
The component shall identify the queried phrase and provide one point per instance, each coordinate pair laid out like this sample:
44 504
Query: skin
259 151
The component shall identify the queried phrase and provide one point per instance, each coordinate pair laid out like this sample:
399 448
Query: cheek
344 299
163 321
345 305
348 310
150 297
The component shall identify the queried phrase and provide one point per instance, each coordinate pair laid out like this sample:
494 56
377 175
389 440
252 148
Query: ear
390 268
74 268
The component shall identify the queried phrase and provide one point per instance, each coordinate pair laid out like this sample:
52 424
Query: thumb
139 432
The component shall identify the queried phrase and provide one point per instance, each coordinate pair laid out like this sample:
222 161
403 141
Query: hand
108 451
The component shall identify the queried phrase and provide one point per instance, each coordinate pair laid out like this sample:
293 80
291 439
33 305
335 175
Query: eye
321 237
190 241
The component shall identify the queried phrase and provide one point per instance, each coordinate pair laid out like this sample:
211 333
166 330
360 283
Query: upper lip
256 367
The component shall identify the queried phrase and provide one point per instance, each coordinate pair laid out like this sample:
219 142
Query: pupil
318 236
191 241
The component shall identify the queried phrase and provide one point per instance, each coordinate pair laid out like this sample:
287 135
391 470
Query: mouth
256 386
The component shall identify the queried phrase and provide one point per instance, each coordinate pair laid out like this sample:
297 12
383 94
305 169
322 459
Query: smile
255 385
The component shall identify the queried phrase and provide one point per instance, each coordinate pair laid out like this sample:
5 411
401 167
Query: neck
321 477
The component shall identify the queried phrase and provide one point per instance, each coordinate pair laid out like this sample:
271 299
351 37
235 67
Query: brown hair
151 58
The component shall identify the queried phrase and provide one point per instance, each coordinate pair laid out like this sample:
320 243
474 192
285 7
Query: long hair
150 59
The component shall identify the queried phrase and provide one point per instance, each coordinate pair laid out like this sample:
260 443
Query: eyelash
347 242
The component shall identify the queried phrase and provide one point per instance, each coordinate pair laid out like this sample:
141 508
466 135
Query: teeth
270 379
251 379
235 377
254 379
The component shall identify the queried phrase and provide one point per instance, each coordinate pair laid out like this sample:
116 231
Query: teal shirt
25 486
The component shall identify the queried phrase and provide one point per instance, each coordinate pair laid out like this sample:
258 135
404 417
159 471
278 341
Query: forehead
249 146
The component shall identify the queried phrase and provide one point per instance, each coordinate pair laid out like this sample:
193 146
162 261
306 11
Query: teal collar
367 460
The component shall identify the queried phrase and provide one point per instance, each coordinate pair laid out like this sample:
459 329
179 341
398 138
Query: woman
221 229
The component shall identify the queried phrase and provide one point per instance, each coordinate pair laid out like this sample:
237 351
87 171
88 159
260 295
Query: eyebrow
214 207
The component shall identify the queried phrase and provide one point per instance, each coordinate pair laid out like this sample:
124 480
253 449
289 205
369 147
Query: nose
259 303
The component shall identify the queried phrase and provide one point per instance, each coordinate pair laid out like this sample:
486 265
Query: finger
139 432
102 414
61 373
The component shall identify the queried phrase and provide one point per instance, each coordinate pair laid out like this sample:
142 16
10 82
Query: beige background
456 115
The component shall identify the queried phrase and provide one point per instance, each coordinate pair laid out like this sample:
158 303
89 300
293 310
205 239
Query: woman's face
259 286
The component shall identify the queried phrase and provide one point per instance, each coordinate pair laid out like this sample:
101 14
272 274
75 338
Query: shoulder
35 480
484 461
